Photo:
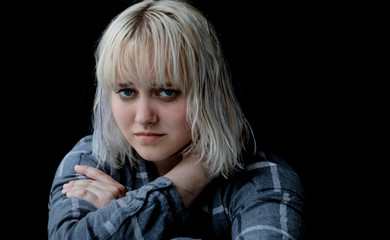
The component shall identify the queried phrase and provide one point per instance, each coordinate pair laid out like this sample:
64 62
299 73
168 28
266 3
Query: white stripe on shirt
274 172
275 177
137 230
265 227
75 207
259 165
283 213
109 227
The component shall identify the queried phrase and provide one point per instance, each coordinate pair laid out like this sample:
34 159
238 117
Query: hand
189 177
100 190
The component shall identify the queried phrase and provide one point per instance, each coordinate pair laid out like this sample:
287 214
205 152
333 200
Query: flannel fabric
263 201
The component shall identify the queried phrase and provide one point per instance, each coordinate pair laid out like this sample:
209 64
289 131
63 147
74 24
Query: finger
97 193
69 186
100 189
83 194
94 185
93 188
94 173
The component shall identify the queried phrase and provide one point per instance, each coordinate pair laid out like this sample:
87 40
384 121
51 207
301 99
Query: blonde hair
182 46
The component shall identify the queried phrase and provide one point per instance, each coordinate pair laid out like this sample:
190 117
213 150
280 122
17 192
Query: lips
147 137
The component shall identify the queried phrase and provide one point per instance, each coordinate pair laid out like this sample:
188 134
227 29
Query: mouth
147 137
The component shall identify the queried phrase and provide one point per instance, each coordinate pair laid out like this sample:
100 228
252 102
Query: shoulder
266 178
265 170
270 171
84 144
264 199
80 154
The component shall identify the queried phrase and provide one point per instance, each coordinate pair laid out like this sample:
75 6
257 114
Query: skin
99 190
154 122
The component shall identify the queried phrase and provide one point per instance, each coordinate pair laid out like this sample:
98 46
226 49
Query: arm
99 190
267 202
149 211
273 216
189 177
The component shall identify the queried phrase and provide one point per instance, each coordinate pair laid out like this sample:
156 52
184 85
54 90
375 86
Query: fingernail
76 167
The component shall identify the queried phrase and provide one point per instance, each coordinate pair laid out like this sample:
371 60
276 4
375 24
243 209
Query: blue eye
126 93
168 93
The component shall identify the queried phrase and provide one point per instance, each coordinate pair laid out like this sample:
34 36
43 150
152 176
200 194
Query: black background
291 63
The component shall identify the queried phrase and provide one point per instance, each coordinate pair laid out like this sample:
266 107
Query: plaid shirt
264 201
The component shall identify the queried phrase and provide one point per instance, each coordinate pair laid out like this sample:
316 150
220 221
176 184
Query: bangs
151 53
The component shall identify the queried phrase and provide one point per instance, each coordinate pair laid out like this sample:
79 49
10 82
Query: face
153 120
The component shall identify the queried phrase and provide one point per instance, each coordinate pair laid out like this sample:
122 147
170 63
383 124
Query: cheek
121 114
177 119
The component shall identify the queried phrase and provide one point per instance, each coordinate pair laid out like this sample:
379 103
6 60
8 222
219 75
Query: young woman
170 155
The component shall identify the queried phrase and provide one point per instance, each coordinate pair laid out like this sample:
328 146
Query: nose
146 113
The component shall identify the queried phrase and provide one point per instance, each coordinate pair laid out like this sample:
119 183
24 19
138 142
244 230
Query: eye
126 93
168 93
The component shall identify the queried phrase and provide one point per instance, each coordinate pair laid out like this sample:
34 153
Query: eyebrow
125 85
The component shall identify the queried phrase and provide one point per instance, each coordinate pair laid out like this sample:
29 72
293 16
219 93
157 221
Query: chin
152 156
157 155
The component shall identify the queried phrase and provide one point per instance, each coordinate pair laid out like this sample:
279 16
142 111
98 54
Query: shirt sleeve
146 213
266 202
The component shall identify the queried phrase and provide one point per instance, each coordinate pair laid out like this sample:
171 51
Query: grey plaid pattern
264 201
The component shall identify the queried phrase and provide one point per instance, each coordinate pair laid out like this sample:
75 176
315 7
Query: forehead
141 64
145 61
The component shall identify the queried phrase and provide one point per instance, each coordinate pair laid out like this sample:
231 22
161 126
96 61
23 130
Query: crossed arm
160 203
189 177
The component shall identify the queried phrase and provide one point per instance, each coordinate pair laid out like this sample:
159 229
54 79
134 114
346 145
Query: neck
164 166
